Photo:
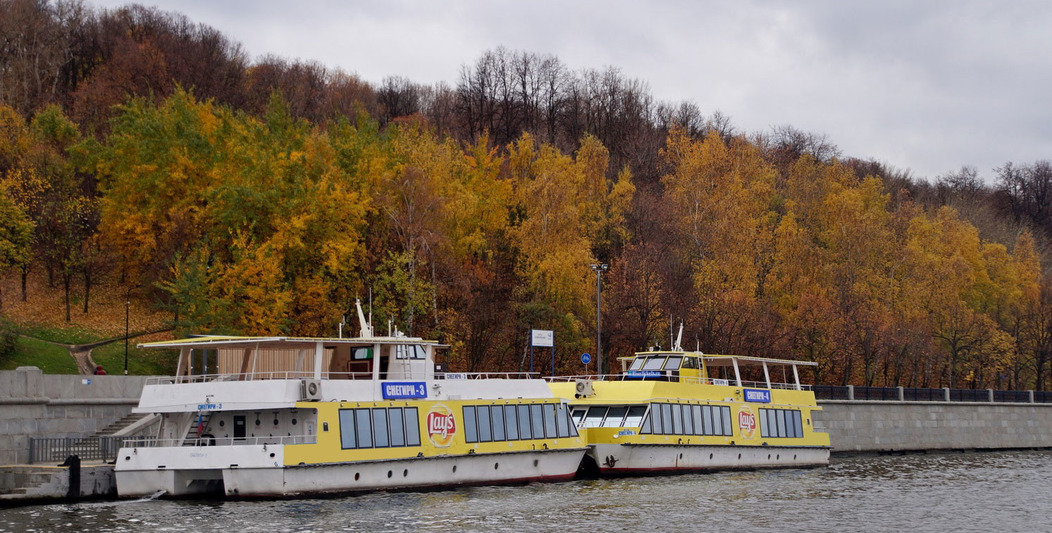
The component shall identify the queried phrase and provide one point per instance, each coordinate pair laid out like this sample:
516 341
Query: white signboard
542 337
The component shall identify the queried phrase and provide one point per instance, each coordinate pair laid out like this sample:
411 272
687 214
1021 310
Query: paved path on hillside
81 353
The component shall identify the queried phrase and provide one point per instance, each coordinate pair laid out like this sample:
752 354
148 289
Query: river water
998 491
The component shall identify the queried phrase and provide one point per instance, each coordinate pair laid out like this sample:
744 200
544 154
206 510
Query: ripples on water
1004 491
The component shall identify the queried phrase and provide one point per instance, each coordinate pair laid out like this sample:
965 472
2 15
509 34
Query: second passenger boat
676 411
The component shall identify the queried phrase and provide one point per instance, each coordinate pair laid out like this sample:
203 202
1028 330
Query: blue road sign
585 358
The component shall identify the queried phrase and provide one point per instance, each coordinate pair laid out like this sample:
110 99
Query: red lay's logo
746 422
441 426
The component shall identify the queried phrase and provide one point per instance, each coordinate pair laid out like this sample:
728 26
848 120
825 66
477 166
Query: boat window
562 420
655 416
726 421
397 427
347 433
717 420
653 363
797 425
485 424
647 426
412 426
364 428
362 352
637 363
471 430
578 415
677 419
706 420
594 418
380 428
699 421
524 423
550 427
497 414
513 422
635 416
688 423
615 416
537 421
691 362
666 418
673 363
780 419
410 351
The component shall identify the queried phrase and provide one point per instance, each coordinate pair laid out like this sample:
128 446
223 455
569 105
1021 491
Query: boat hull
643 459
248 481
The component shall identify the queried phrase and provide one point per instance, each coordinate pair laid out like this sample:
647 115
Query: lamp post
599 268
127 310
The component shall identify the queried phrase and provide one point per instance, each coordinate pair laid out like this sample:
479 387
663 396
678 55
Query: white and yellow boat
299 416
674 411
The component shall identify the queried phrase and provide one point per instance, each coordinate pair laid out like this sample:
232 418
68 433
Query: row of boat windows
775 423
664 418
379 427
612 417
489 423
657 363
684 419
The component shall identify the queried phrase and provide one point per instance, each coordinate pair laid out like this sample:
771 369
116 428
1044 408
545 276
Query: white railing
298 375
662 376
150 442
487 375
257 376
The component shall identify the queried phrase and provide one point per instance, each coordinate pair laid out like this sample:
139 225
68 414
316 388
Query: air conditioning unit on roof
311 390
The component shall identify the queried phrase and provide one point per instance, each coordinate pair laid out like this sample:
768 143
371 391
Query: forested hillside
145 153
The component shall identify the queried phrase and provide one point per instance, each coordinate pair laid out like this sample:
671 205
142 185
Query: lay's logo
746 423
441 426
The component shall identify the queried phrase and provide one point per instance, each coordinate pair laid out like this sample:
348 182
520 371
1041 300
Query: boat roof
722 360
227 341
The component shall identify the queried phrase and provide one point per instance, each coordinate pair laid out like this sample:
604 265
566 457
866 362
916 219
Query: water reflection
943 492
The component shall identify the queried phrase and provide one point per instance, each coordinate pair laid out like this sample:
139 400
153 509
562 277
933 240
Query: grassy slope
48 357
42 316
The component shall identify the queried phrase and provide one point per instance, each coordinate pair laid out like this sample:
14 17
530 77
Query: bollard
73 462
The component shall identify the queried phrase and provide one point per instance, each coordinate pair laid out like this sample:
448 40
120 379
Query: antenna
679 338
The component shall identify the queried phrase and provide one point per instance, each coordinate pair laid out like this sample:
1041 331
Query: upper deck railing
304 374
677 379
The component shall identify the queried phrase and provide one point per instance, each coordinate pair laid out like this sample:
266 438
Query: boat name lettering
644 374
757 395
400 390
626 433
209 406
721 382
456 375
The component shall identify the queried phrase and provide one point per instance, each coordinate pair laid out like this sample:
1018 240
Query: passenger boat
288 416
675 411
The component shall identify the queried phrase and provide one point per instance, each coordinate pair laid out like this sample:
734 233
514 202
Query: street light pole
127 310
599 268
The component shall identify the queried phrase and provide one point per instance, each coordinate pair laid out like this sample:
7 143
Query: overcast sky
925 86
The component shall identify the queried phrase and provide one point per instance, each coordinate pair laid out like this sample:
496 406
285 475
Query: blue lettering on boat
757 395
400 390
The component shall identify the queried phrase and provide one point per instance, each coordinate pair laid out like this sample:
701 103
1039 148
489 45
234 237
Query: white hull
241 478
636 459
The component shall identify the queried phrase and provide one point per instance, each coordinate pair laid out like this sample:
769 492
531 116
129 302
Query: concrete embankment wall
879 427
33 404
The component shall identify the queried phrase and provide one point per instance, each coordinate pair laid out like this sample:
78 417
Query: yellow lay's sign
441 426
